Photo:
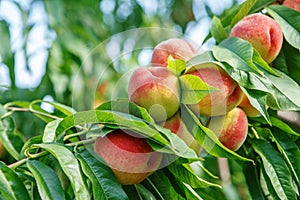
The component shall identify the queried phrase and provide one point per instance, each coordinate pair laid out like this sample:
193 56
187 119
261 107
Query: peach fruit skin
248 108
128 155
176 47
177 126
294 4
262 32
218 102
231 129
156 89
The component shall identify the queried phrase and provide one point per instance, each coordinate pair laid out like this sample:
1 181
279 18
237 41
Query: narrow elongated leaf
288 19
276 169
159 184
49 131
185 174
206 138
104 183
243 11
47 180
237 53
287 91
260 4
253 181
290 152
283 126
258 60
70 166
217 30
144 192
267 185
11 187
66 110
125 106
159 138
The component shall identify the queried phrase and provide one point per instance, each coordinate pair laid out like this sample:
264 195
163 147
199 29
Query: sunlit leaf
288 19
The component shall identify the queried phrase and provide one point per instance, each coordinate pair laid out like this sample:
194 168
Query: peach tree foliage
59 163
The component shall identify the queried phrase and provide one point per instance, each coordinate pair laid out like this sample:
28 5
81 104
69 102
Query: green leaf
28 143
253 181
207 138
66 110
193 89
276 122
185 174
285 93
204 57
104 183
11 186
144 192
160 139
176 66
217 30
276 169
126 106
49 131
237 52
47 180
260 5
290 152
259 61
70 166
159 184
7 134
288 19
267 185
243 11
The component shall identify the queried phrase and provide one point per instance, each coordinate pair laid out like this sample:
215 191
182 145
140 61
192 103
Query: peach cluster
159 91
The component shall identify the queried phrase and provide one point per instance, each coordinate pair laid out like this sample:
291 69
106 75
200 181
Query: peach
128 155
248 108
219 102
176 47
177 126
293 4
262 32
231 129
156 89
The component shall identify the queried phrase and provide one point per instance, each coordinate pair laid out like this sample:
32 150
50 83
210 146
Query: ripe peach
262 32
176 47
218 102
156 89
248 108
177 126
128 155
231 129
294 4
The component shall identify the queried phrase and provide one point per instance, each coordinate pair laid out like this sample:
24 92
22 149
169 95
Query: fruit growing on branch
176 47
219 102
156 89
231 128
128 155
262 32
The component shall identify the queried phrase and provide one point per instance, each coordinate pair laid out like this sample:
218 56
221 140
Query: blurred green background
74 52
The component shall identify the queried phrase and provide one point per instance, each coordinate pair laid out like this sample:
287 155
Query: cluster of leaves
59 163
